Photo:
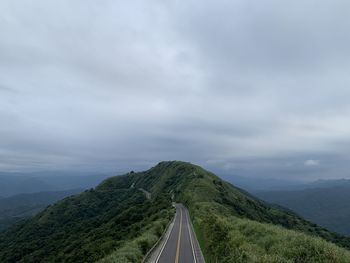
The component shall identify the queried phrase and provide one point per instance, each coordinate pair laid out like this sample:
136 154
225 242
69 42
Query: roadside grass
233 239
232 226
134 250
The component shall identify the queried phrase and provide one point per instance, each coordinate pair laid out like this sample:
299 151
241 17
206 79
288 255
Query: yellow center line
178 240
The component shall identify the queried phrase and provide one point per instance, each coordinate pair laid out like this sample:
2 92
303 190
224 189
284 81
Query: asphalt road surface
179 247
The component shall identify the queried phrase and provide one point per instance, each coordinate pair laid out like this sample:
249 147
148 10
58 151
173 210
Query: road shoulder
160 244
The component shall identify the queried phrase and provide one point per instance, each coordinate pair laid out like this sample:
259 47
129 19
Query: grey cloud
312 162
6 89
260 87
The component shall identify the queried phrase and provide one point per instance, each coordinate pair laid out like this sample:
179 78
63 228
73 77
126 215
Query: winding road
180 245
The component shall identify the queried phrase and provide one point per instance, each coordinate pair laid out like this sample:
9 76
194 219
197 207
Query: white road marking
166 241
189 231
179 241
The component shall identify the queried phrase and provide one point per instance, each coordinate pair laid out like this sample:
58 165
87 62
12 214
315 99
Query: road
180 246
147 194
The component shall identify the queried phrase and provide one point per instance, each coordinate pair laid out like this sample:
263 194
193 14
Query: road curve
180 244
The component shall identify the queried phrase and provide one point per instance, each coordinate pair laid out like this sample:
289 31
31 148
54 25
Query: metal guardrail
198 250
145 258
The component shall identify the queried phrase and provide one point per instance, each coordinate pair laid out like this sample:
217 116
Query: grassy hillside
116 223
233 239
87 227
328 207
230 208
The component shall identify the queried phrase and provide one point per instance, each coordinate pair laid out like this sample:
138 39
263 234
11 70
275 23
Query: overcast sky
249 87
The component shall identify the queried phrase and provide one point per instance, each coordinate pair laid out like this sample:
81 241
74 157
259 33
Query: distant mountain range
253 184
19 183
325 202
328 183
22 206
257 184
328 204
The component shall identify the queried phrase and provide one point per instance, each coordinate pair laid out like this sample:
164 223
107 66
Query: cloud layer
246 87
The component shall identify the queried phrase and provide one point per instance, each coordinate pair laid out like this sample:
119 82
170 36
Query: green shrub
134 250
239 240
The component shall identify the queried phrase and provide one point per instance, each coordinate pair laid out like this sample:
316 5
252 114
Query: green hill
116 223
87 227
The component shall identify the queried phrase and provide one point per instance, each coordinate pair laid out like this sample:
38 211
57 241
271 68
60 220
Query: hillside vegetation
231 208
116 223
232 239
87 227
234 226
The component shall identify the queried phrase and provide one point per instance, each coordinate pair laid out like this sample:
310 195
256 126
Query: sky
247 87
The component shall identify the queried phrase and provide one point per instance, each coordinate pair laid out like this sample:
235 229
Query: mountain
89 226
256 184
117 219
22 206
329 183
70 180
328 206
263 184
13 183
19 183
